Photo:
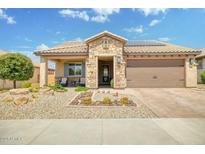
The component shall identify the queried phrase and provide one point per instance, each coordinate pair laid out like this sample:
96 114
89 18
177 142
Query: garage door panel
155 76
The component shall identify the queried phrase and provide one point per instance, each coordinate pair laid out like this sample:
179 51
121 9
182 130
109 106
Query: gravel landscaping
57 107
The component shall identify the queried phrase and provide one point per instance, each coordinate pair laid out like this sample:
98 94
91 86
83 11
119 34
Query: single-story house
7 84
106 56
201 64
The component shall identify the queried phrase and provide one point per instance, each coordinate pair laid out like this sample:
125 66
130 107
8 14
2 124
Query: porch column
43 71
119 72
92 72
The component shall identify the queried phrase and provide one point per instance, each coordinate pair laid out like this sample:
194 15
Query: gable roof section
106 33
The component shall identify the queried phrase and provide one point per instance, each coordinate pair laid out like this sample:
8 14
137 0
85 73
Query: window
105 43
74 69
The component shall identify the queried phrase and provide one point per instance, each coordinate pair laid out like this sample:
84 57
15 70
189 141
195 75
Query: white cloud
27 39
74 14
102 14
138 29
4 16
154 22
164 39
106 11
42 47
152 11
58 32
100 18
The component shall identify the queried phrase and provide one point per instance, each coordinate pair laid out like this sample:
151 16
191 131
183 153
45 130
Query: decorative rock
115 94
50 92
8 99
21 100
20 91
44 90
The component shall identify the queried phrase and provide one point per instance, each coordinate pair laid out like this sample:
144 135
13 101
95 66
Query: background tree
15 67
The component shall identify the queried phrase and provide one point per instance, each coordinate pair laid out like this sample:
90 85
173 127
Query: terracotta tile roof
67 48
202 55
131 47
157 47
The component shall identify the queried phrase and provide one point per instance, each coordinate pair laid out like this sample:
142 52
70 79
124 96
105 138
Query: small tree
203 77
15 67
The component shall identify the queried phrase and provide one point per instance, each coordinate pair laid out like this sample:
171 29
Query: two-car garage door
155 73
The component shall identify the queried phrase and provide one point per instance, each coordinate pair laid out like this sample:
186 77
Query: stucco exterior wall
59 70
97 49
190 74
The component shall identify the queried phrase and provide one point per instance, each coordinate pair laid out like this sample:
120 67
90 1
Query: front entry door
105 77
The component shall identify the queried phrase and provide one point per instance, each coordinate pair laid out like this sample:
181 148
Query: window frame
74 63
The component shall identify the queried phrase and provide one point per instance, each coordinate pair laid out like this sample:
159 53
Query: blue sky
25 30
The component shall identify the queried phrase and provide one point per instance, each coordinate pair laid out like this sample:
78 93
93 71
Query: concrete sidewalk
103 131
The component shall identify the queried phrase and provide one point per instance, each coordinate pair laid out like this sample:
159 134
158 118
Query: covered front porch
70 70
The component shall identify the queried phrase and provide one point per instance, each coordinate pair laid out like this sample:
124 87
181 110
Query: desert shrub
35 90
112 83
86 100
58 87
203 77
124 100
35 85
26 84
107 100
81 89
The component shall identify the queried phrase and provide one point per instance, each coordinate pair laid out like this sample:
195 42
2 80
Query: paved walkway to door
103 131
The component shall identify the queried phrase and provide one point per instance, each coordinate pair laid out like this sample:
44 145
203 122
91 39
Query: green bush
107 100
35 90
26 84
81 89
124 100
203 77
112 83
86 100
35 85
58 87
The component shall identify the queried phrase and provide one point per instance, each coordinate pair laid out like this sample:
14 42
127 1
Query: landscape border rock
19 91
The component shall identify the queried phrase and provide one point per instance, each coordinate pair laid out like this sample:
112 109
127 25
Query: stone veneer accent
190 74
115 50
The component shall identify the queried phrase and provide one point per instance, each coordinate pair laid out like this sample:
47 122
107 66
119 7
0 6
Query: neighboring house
107 56
201 64
7 84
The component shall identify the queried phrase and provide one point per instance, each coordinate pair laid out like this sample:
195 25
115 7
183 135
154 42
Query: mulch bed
77 101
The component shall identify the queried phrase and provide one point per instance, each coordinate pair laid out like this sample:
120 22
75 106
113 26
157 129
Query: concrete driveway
173 102
103 131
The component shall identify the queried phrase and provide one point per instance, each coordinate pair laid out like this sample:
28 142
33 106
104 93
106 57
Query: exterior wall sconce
192 62
119 60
